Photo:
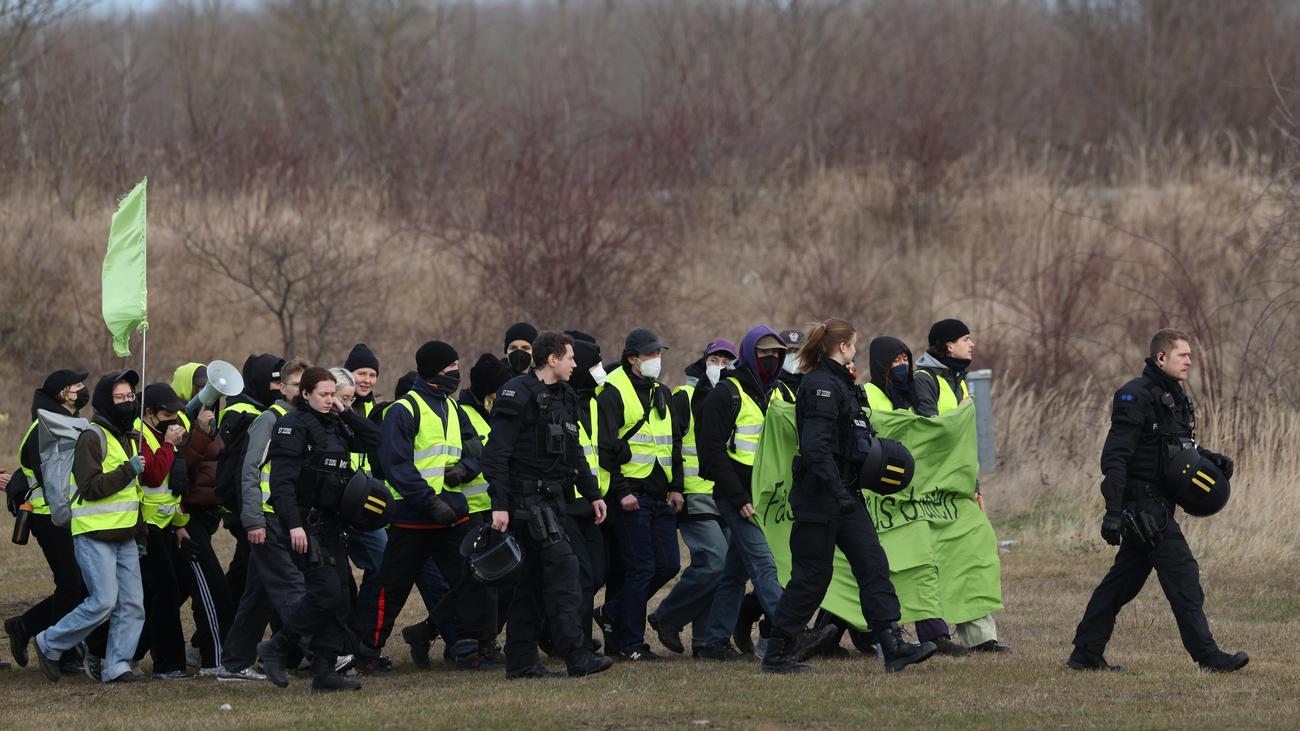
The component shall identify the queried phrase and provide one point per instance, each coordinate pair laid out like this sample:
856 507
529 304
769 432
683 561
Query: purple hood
749 355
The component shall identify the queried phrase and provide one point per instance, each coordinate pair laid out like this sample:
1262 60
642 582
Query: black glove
845 501
1220 460
440 511
1111 527
456 474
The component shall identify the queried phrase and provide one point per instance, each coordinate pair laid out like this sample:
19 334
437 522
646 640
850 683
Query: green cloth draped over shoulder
942 551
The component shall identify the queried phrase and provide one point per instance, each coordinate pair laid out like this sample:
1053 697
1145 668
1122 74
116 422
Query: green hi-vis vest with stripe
749 427
437 445
587 440
947 400
117 511
476 491
157 504
37 495
653 441
782 392
361 460
264 480
877 399
692 483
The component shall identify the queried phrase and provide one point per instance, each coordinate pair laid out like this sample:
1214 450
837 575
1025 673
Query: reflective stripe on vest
653 441
264 480
475 491
37 495
117 511
749 427
692 483
437 446
157 504
591 452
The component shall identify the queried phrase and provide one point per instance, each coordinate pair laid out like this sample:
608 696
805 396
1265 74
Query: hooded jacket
926 388
30 454
716 421
88 462
881 354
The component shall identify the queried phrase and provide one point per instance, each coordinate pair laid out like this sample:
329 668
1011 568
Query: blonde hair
825 338
343 377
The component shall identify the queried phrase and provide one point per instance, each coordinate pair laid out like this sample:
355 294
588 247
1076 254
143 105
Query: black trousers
162 636
69 590
549 590
588 543
204 583
468 606
274 586
237 572
321 615
1179 576
812 554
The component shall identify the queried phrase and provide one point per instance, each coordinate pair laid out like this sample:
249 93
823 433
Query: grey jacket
259 441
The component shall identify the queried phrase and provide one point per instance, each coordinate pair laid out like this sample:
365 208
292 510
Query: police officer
531 460
1152 418
310 465
828 510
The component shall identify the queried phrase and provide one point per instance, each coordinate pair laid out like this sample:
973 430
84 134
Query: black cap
161 397
586 353
946 331
432 357
361 356
642 341
519 331
487 376
792 338
61 379
129 376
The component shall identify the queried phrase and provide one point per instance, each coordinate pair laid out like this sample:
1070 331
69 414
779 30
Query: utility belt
1147 512
539 513
321 524
525 489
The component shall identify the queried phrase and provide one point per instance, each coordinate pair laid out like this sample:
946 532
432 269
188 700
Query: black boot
18 639
750 612
898 652
779 657
420 637
323 677
271 653
1222 662
1082 659
811 641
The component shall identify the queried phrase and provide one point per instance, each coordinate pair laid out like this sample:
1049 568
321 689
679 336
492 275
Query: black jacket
832 428
299 480
1147 418
612 450
715 422
517 450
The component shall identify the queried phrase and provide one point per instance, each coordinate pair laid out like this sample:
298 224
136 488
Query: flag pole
144 354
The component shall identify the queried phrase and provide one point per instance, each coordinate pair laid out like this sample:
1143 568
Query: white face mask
650 368
598 373
713 371
791 364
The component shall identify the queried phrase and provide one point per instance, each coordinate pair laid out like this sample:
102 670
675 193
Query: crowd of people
581 473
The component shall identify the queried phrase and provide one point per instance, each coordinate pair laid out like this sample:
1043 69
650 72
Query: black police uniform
1152 419
310 465
829 512
530 460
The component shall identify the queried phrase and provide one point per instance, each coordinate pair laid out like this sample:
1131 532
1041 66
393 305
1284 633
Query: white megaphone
223 380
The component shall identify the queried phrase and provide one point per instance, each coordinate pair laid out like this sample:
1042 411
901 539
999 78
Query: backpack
58 435
228 483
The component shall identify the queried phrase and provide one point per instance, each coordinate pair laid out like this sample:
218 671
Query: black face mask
768 366
83 398
450 381
124 415
163 426
898 376
519 361
956 364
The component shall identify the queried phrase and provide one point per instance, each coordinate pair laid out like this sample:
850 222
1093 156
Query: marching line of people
510 504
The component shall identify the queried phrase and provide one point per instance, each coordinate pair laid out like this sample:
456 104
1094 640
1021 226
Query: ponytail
825 339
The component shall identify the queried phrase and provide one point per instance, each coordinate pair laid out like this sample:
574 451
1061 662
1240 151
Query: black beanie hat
361 357
432 357
59 380
519 331
586 353
946 331
487 376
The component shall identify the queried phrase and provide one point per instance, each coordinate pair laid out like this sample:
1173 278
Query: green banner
943 557
126 296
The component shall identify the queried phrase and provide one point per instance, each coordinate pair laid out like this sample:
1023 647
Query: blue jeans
691 600
748 557
111 571
647 541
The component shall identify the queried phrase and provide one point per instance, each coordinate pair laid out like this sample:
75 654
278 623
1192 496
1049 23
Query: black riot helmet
888 468
366 504
1196 484
494 557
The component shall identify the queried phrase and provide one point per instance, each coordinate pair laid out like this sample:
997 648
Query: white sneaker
211 672
245 674
343 664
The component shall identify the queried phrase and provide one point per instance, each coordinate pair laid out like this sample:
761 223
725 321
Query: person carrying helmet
1152 420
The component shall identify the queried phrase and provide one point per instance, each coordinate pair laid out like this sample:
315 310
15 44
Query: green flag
126 295
942 552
